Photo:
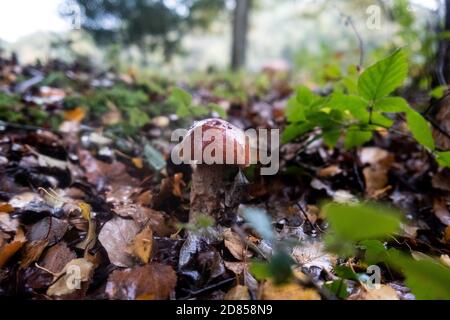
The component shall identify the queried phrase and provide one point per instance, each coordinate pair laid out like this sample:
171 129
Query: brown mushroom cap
221 136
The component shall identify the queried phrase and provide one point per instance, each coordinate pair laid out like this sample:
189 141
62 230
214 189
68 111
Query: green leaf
137 118
260 221
361 222
260 270
443 158
355 105
380 79
295 109
338 287
217 108
427 278
356 138
345 273
331 137
439 91
420 129
375 252
294 130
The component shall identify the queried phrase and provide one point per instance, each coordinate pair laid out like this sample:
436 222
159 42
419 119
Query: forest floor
91 206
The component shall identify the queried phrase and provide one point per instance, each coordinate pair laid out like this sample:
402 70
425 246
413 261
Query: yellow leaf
76 114
138 163
85 210
143 244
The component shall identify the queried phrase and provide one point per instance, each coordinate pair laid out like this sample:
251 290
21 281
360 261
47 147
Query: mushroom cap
211 136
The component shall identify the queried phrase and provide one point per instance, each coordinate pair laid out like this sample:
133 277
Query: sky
19 18
22 17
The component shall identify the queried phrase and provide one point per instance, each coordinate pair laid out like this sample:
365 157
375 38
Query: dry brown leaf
113 116
152 281
235 244
441 210
143 244
447 235
32 252
311 254
77 114
236 267
384 292
178 183
9 249
329 171
75 273
441 180
238 292
116 236
6 207
56 258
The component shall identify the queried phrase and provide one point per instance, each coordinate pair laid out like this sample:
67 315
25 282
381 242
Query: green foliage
359 227
338 288
360 222
182 101
278 268
383 77
356 115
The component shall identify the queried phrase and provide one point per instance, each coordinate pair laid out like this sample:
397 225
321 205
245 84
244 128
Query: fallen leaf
32 252
138 163
56 258
77 114
312 253
116 236
9 249
376 174
75 273
441 180
384 292
7 223
142 244
238 292
6 207
447 235
152 281
236 267
441 210
329 171
48 228
235 244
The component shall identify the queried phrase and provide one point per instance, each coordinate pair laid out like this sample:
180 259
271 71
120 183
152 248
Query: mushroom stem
207 190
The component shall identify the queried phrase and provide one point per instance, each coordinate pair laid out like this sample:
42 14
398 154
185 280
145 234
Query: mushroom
218 150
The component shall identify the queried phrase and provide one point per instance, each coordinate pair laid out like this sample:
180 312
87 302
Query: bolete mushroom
218 150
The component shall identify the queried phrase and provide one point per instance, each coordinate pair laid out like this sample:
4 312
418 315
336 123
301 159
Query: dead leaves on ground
149 282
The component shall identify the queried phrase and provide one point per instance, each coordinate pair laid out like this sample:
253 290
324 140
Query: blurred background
199 35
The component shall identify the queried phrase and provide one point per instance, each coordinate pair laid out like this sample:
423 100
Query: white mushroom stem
208 190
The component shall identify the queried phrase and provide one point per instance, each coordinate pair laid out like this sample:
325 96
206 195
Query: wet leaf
116 236
150 282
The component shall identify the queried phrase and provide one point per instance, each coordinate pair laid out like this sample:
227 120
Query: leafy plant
360 108
185 108
360 227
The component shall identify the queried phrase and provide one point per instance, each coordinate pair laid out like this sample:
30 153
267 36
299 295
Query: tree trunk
240 27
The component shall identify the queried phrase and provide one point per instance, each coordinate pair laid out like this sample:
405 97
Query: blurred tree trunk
240 27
